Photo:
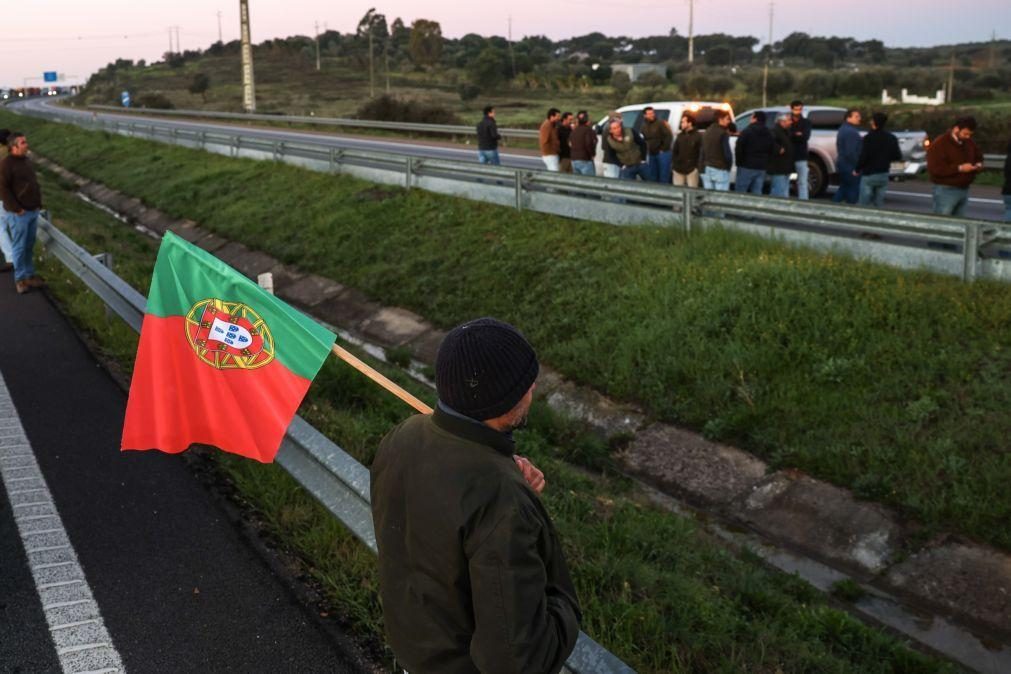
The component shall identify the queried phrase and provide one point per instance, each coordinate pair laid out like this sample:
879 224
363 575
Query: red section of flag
177 400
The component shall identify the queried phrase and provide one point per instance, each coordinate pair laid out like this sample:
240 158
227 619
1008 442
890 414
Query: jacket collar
471 429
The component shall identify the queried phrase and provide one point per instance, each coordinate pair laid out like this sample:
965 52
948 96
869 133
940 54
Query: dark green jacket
471 572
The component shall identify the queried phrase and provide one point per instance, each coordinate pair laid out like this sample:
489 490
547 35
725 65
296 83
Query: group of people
697 158
22 202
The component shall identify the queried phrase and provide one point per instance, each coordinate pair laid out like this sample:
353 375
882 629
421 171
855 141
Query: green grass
892 383
654 588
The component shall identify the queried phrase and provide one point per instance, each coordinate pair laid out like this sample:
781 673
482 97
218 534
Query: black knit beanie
484 368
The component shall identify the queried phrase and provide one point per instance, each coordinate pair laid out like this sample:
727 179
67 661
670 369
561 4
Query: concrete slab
346 310
603 415
211 242
823 520
425 347
392 326
972 580
187 229
686 464
311 290
284 276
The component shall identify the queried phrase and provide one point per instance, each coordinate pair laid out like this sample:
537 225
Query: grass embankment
655 589
889 382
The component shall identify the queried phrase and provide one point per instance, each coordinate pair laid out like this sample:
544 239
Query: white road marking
928 195
59 579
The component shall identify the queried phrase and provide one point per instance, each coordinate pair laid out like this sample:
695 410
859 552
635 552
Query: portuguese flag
221 361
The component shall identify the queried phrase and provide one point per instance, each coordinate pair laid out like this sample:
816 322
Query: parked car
821 158
669 111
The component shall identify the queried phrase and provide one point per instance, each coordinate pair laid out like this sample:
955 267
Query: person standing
1006 190
472 575
781 164
800 135
488 138
754 150
847 145
22 201
880 148
564 148
717 159
659 139
611 166
629 147
953 162
687 152
584 145
548 138
5 240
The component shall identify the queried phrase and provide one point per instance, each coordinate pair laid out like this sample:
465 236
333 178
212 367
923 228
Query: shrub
388 108
155 100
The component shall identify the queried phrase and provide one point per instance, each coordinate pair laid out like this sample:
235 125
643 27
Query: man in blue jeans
22 200
753 152
488 138
848 144
1006 190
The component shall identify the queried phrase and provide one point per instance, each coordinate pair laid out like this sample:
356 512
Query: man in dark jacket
754 149
847 145
564 148
1006 190
953 162
717 159
880 148
687 152
488 138
471 571
22 201
659 139
800 134
5 239
584 145
781 162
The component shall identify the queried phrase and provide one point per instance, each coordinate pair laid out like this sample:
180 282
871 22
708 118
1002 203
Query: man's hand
966 168
533 476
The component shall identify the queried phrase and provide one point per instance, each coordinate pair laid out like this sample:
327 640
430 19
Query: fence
326 471
956 246
401 127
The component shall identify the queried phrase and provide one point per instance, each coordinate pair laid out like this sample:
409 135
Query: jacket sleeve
544 139
742 145
521 624
896 150
862 161
666 138
727 154
640 140
10 202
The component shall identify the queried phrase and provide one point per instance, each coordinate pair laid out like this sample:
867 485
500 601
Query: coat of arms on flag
229 335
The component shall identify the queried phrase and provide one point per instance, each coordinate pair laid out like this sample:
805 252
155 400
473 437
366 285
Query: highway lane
178 587
909 196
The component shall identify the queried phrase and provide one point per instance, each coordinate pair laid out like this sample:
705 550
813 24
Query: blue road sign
50 76
125 98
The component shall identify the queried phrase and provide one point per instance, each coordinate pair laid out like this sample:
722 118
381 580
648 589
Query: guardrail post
409 172
519 190
203 140
236 140
105 259
333 160
970 249
686 212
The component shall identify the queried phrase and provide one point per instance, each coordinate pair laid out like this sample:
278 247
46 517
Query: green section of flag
186 274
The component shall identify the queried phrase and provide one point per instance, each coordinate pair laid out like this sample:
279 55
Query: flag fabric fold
220 362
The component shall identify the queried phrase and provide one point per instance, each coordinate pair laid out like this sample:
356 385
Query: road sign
50 76
125 98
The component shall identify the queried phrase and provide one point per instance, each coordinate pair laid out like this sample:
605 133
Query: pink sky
76 37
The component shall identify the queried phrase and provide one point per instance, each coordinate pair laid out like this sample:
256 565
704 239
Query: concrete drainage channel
795 523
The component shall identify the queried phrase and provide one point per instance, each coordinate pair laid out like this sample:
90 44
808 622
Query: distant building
637 70
906 97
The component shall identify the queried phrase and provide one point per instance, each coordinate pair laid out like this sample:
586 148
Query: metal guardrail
410 127
990 161
955 246
333 477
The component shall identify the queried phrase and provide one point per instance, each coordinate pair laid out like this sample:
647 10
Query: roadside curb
947 575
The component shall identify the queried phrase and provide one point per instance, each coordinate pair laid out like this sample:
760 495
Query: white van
670 111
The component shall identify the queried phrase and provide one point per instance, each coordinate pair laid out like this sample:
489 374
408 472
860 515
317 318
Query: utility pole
768 59
993 50
179 49
372 69
951 79
219 28
317 46
170 40
512 54
691 33
386 59
248 84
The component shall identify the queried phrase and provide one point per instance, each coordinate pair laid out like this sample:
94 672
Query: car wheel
817 178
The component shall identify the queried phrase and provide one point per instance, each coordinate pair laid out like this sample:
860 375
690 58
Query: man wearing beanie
471 572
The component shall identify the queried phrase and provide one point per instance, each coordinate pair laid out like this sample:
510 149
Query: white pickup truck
821 150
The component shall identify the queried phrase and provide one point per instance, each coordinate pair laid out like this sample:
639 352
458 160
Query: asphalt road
178 586
909 196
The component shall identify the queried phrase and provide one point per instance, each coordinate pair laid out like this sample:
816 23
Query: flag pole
380 379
